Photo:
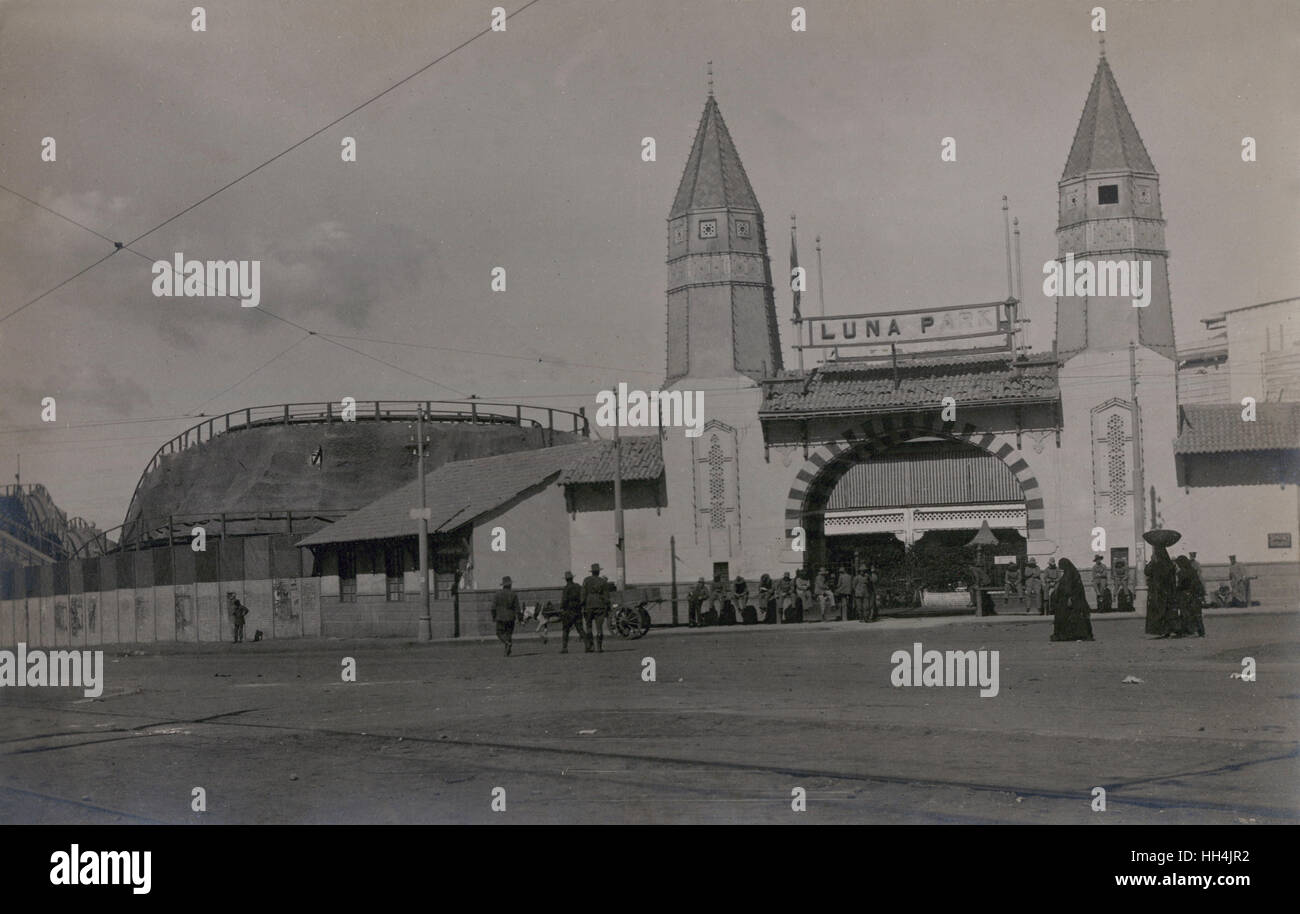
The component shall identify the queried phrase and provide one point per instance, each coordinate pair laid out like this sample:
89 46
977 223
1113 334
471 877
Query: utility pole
423 513
620 560
1139 489
672 561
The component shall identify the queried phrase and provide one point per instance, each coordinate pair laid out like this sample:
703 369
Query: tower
1118 366
721 309
1109 210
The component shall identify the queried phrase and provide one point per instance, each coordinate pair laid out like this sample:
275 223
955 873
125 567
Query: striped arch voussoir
881 432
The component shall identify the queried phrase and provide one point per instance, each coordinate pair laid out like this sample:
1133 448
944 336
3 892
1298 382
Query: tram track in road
1114 789
677 777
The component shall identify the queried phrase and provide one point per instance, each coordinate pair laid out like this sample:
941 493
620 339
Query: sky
522 149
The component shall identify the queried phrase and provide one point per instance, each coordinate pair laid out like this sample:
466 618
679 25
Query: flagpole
798 315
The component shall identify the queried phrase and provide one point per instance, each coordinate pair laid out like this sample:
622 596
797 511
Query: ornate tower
721 310
1116 458
1109 210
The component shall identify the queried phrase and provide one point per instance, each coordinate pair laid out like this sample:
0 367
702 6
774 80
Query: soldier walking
571 612
595 606
505 610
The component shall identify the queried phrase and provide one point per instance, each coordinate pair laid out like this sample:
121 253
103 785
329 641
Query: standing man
238 612
1122 588
873 592
785 599
571 612
1239 579
1100 580
505 610
698 595
844 593
860 588
1051 577
822 591
595 606
1033 588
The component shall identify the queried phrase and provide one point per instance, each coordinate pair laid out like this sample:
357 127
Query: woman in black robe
1189 595
1162 577
1069 605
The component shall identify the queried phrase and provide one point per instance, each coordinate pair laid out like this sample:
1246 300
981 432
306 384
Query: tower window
1108 193
742 228
708 228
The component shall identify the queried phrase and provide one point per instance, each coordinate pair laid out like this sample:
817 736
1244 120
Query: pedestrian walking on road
1070 607
595 607
571 612
505 611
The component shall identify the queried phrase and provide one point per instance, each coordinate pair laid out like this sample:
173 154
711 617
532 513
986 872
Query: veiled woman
1162 575
1189 594
1069 604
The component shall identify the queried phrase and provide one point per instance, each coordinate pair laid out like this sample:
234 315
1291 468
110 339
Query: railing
176 528
473 411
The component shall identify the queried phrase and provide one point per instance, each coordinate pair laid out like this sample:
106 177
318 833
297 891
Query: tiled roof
455 492
1106 139
849 387
713 177
643 458
1219 428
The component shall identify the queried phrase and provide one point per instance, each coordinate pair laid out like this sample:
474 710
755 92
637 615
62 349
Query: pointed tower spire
1106 138
710 79
721 306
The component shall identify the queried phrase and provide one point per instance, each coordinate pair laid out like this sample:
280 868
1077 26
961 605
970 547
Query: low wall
167 593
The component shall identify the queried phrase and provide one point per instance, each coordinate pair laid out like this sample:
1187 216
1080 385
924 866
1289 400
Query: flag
794 265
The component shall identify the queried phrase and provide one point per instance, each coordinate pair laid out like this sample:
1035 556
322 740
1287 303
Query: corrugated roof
1209 428
457 493
869 387
713 177
643 459
1106 138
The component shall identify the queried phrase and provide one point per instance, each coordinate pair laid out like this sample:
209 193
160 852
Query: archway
826 466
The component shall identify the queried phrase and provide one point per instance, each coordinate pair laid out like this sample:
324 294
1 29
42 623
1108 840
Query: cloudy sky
522 150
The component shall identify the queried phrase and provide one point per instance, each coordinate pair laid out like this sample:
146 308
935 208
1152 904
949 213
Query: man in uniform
844 593
1239 579
505 610
571 612
698 597
785 598
1101 583
595 606
823 592
1051 577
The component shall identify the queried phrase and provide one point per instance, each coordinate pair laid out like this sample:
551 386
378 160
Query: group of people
1175 595
847 595
583 608
1113 588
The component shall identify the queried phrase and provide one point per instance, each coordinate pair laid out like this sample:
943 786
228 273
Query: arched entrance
937 509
